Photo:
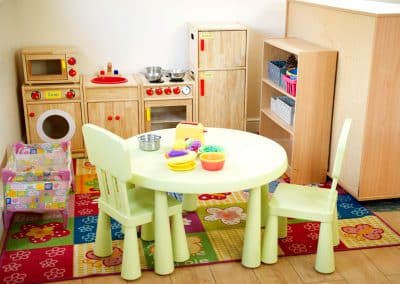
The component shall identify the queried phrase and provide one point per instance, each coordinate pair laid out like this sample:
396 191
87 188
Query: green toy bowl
210 148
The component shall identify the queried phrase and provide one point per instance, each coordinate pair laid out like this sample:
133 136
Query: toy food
181 160
211 148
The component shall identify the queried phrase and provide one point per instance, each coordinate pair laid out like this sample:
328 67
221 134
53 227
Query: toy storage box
37 178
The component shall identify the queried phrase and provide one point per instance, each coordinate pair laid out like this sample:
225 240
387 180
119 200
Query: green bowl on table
210 148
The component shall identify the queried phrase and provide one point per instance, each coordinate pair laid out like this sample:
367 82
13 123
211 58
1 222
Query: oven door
45 68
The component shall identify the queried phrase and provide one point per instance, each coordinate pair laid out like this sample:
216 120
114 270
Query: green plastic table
252 161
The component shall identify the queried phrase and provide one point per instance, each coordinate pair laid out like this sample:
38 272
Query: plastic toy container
276 70
283 107
212 161
290 85
37 177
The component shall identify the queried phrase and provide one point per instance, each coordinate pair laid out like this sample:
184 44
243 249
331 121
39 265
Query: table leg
264 204
163 260
189 202
251 256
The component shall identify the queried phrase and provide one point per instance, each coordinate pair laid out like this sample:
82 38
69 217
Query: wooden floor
378 265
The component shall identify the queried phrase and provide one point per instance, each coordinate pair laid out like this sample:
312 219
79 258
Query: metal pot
177 74
153 73
149 142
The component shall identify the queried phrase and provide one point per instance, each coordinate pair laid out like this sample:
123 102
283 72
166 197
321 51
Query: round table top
251 160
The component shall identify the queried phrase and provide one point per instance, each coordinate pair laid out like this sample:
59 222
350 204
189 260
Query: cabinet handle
148 114
117 117
109 117
202 45
32 114
202 85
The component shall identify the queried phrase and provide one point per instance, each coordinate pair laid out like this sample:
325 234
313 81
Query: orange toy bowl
212 161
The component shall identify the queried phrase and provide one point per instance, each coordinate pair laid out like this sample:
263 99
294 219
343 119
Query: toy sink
109 80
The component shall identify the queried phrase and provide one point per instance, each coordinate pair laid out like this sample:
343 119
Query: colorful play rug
38 249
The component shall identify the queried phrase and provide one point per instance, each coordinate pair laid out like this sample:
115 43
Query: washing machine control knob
35 95
31 114
70 94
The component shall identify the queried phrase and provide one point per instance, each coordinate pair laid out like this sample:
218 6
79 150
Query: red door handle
202 45
117 117
109 117
202 84
31 114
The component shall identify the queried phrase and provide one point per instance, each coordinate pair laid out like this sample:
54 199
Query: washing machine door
55 126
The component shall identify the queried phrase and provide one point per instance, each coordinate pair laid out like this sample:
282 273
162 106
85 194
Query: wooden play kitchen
218 58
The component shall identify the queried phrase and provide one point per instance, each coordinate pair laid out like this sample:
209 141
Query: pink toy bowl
212 161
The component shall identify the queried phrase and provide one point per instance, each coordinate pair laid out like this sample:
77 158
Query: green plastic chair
308 203
129 205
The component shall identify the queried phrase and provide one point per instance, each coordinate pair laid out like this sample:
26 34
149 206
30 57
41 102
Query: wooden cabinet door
56 126
121 118
222 98
221 49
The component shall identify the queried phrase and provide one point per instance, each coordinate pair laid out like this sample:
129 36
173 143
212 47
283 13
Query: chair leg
325 259
147 232
7 219
130 269
102 245
189 202
269 253
179 242
282 227
335 228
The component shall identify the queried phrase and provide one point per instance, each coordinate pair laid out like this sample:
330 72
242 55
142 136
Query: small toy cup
212 161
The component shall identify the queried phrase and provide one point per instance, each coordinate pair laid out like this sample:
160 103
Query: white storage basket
283 107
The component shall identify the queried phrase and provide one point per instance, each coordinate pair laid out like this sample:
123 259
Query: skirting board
252 125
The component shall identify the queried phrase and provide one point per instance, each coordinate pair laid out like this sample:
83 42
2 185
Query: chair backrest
341 147
109 153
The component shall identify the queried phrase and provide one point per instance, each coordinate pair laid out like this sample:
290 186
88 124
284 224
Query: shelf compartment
271 127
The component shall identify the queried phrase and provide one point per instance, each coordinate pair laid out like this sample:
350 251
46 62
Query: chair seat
141 204
303 202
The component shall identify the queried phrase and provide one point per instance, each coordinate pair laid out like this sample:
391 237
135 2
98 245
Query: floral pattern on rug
43 252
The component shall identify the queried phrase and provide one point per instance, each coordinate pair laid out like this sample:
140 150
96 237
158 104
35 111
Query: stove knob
72 72
70 94
149 92
31 114
177 90
167 91
159 91
71 61
35 95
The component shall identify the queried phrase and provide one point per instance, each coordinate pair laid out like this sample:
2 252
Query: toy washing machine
53 113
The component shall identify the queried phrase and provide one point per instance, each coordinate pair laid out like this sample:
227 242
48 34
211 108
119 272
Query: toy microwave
49 65
186 130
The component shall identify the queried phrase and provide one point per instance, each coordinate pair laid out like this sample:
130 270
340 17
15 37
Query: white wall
10 130
130 33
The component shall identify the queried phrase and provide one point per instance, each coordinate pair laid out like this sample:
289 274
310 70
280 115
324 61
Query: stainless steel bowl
177 74
153 73
149 142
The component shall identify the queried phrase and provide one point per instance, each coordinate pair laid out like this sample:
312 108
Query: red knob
117 117
167 91
177 90
35 95
149 92
159 91
72 72
31 114
71 61
70 94
109 117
